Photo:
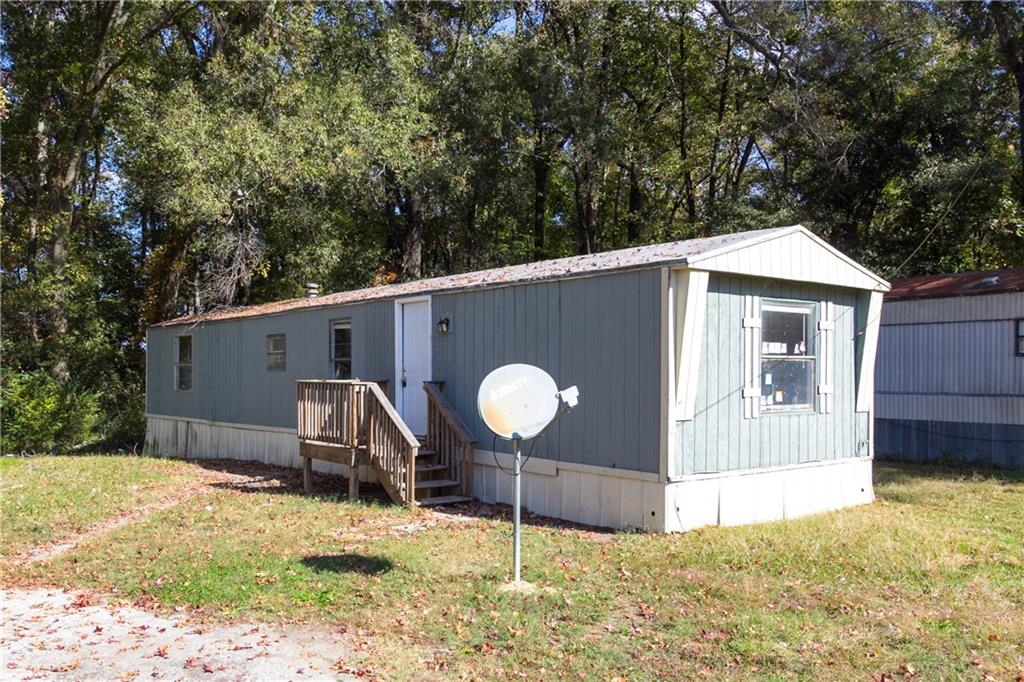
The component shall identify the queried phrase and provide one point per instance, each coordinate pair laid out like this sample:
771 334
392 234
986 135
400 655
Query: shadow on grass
348 563
896 473
257 477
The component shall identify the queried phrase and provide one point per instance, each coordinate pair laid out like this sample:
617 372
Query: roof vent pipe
312 290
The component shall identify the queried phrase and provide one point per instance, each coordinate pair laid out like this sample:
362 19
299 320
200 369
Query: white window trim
283 353
343 323
808 310
178 363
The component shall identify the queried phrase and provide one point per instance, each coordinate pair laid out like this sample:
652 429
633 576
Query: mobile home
724 380
950 374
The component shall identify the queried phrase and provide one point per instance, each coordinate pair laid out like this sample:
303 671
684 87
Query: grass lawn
927 583
50 498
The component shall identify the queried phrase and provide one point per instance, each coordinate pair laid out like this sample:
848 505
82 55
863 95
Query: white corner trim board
755 496
866 380
691 294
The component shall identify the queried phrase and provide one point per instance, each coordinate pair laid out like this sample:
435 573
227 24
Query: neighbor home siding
949 385
718 438
600 333
936 365
230 380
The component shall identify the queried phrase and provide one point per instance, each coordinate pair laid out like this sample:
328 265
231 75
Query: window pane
784 333
342 369
1020 345
342 342
1020 327
184 377
185 349
786 383
275 361
275 343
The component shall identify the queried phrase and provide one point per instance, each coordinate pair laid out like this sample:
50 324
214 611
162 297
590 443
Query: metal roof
677 253
957 284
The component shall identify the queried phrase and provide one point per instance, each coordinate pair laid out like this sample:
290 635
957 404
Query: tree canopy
162 158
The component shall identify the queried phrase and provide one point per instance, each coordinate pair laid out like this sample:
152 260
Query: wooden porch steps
430 484
353 422
442 499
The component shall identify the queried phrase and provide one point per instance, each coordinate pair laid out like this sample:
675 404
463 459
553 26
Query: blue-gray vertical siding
230 380
719 438
601 333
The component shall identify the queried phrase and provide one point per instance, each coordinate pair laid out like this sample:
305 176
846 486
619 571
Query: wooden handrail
391 446
450 438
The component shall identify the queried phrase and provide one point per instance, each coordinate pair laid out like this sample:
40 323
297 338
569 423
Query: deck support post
307 475
353 478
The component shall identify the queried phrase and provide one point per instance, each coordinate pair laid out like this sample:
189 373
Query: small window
341 349
275 352
1020 337
183 363
787 357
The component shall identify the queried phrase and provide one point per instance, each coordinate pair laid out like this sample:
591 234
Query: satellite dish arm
569 398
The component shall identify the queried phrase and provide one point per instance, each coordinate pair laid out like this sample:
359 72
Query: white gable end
791 254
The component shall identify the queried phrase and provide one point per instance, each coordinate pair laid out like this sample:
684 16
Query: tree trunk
684 122
412 240
1012 48
723 96
635 204
541 172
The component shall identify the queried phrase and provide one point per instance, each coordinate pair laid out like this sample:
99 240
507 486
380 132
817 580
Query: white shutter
751 356
826 355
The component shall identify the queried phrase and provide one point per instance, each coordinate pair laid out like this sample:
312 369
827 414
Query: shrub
127 421
41 415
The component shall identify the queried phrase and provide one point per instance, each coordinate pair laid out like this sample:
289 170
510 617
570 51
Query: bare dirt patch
50 634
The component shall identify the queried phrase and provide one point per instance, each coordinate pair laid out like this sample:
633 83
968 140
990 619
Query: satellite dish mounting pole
516 499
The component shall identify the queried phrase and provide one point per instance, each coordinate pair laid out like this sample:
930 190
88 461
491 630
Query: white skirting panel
199 439
737 498
595 498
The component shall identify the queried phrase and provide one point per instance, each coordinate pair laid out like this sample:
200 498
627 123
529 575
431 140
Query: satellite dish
518 401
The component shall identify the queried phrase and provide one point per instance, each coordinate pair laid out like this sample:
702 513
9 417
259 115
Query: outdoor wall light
442 325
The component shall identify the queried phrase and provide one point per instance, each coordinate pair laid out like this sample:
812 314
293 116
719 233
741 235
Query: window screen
183 363
341 349
787 357
275 352
1020 337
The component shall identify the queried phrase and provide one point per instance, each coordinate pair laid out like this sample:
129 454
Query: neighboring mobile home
950 374
722 381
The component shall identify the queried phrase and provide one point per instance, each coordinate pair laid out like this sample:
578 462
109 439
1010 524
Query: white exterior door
413 363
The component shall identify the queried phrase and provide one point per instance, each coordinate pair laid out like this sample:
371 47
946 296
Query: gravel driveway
50 634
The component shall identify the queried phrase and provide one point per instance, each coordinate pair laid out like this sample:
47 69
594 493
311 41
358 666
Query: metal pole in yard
517 471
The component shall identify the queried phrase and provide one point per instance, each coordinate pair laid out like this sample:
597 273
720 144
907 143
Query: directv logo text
511 386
